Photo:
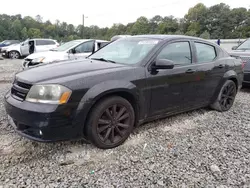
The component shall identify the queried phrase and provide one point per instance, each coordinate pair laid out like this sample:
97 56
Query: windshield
67 46
245 45
126 51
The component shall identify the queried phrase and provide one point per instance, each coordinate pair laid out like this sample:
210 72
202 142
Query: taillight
243 64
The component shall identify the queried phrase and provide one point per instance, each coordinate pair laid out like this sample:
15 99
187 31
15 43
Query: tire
226 97
106 130
14 55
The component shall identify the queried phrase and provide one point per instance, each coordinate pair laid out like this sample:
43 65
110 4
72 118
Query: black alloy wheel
227 96
111 122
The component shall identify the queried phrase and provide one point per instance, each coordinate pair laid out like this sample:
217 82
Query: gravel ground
202 148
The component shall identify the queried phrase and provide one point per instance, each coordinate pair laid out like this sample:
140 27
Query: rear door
210 69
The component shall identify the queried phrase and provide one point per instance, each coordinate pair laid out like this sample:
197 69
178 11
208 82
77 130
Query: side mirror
22 44
163 64
234 47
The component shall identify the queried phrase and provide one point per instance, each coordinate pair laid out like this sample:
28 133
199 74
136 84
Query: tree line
218 21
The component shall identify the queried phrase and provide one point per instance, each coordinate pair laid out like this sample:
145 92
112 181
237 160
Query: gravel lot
201 148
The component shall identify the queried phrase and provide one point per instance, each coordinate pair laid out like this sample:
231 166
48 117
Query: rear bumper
42 122
246 80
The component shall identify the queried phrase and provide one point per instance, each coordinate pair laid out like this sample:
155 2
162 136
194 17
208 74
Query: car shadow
245 89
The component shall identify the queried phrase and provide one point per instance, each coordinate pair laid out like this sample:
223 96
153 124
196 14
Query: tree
39 18
196 18
24 33
218 21
34 33
141 26
205 35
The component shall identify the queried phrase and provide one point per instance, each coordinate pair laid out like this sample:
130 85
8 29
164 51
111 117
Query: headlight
38 60
52 94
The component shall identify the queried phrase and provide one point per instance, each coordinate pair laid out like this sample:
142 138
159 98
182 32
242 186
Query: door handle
190 71
221 66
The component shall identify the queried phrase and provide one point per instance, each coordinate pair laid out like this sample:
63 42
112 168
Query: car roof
85 40
41 39
165 37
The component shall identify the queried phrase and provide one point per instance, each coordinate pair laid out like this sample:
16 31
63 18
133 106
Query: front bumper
4 53
42 122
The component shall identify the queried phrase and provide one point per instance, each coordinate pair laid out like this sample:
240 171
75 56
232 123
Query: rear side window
178 52
44 42
205 52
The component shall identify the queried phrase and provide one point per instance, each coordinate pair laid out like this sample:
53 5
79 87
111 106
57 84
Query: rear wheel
111 122
226 97
14 55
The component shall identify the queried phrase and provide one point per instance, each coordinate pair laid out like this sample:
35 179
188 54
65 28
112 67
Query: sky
105 13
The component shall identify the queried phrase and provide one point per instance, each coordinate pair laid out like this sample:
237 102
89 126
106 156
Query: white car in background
28 47
71 50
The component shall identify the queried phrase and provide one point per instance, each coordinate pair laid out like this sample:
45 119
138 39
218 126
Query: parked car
116 37
128 82
4 49
70 50
30 46
8 43
243 51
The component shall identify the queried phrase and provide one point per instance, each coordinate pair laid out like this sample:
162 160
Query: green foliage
218 21
205 35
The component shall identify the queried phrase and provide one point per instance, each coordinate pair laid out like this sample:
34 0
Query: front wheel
14 55
226 97
111 122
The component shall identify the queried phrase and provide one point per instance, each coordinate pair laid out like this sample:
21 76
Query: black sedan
130 81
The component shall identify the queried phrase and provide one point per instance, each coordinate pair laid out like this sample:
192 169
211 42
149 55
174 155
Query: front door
83 50
172 89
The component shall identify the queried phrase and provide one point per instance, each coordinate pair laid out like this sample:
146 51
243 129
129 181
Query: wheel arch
14 51
126 90
229 75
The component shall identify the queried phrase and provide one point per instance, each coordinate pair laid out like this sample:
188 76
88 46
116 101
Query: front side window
205 52
178 52
127 50
85 47
245 45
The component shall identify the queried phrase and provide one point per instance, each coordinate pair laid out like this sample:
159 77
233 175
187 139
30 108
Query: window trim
196 53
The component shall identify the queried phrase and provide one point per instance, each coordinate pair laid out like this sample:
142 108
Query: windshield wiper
102 59
53 50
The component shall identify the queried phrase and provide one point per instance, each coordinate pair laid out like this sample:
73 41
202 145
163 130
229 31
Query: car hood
49 55
58 72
